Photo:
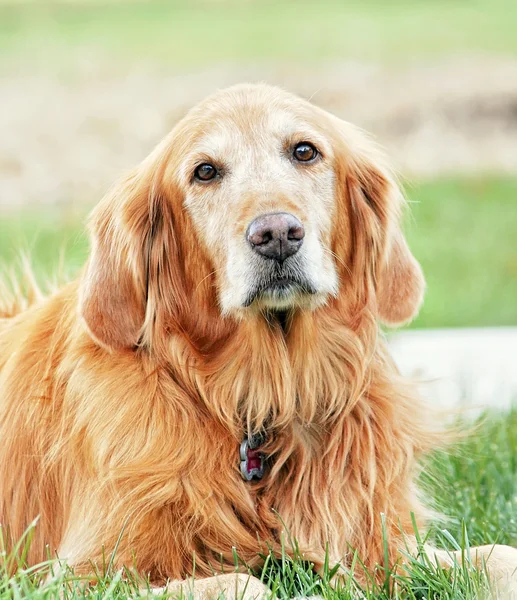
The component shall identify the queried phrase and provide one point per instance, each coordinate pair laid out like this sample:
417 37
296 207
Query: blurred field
196 32
462 230
89 87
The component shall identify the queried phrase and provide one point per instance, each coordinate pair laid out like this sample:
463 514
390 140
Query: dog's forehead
248 112
246 128
247 123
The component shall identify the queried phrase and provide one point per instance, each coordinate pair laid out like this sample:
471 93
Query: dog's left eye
205 172
304 152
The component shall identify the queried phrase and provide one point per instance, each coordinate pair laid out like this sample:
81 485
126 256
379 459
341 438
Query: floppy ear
113 287
141 281
401 284
376 203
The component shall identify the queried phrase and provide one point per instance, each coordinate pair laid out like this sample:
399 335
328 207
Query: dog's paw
234 586
500 563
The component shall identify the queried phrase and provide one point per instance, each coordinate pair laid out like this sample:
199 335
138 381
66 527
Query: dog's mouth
281 286
280 291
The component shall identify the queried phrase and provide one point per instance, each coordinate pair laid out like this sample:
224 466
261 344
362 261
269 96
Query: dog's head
257 201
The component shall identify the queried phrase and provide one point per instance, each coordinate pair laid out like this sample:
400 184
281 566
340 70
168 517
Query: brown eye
205 172
305 152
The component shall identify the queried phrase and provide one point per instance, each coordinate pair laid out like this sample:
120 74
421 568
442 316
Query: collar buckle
252 460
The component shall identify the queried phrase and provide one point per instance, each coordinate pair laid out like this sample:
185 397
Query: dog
216 376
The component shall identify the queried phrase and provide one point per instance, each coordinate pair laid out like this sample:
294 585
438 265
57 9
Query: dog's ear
142 280
399 280
401 283
112 299
375 202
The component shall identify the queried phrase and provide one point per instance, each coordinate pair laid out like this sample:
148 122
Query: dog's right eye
205 172
305 152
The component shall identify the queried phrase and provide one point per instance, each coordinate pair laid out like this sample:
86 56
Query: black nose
276 235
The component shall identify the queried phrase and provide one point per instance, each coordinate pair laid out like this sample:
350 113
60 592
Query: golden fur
124 396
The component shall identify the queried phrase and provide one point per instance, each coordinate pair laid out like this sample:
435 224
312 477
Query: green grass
475 485
462 231
200 33
55 242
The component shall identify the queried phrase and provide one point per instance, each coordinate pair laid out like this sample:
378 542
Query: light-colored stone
475 368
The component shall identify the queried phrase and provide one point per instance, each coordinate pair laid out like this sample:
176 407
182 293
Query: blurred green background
89 87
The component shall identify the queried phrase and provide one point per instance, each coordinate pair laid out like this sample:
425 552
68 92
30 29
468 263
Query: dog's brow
287 123
214 143
291 128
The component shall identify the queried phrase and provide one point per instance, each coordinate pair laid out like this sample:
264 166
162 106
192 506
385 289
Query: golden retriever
216 374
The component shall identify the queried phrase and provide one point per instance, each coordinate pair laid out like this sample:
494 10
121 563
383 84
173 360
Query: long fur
98 437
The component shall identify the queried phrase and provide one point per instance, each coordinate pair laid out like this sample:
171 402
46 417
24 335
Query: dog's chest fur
126 443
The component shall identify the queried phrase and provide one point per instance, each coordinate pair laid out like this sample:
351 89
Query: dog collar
252 460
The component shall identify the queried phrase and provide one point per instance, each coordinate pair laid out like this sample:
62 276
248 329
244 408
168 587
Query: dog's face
257 201
259 185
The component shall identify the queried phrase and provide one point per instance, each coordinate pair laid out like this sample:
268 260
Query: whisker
309 99
206 277
340 260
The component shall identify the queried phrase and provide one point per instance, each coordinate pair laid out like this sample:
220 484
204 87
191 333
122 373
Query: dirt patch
65 138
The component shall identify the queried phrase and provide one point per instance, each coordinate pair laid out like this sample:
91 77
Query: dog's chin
281 295
280 298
